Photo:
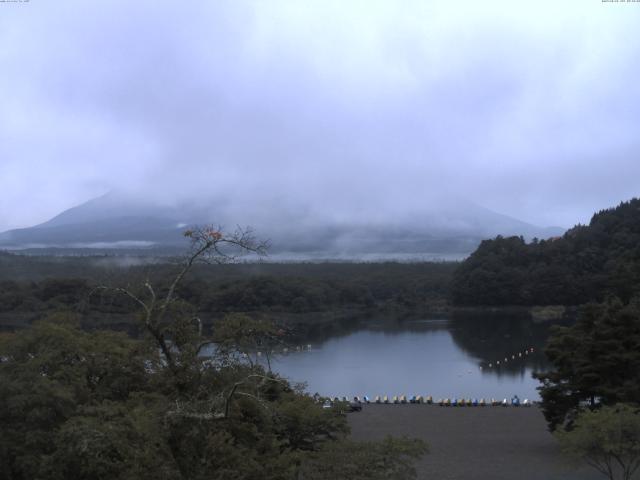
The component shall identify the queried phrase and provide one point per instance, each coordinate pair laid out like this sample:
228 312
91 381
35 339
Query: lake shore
473 443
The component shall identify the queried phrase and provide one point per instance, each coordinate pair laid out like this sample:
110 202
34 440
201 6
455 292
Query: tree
176 334
596 361
608 439
54 375
248 337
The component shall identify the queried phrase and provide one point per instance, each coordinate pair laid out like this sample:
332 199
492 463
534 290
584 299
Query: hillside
587 263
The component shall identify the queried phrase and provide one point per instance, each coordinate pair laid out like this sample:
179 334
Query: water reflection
439 357
494 338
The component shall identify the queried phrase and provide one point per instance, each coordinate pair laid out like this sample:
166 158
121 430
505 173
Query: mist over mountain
118 220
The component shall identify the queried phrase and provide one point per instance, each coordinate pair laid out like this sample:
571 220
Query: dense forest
277 291
588 263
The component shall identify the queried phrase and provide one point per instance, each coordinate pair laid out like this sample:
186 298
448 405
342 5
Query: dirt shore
474 443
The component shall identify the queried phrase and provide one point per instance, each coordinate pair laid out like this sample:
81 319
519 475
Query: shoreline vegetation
292 294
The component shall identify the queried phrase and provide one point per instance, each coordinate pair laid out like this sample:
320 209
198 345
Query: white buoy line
508 358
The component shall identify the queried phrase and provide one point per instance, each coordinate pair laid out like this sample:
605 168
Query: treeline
218 289
588 263
321 287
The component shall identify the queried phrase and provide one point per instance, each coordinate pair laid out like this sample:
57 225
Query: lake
458 357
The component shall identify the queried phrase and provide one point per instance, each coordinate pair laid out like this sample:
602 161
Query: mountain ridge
114 220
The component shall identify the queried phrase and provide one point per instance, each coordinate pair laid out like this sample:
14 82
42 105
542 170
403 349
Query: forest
588 263
295 293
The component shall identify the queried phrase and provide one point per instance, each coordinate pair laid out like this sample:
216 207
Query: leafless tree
208 244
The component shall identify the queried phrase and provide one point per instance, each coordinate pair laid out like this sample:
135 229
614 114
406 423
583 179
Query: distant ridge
116 222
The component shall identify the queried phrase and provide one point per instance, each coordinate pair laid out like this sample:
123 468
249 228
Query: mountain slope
121 221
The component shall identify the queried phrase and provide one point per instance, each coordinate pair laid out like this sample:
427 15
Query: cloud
350 109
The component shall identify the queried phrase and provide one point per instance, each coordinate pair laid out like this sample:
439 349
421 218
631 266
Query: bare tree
208 244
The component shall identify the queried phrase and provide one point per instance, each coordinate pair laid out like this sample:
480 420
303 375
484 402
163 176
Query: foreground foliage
77 405
607 439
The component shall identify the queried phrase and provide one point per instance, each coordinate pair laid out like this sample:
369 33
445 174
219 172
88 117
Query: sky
530 108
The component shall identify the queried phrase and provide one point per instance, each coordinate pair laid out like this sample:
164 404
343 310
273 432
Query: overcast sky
531 108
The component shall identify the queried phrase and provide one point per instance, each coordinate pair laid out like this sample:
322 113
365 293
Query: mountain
117 221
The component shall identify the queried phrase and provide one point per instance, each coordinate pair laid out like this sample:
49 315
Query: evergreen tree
596 361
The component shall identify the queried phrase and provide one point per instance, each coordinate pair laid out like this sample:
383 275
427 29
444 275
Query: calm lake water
438 357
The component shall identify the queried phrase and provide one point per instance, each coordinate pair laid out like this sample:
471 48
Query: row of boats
443 402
